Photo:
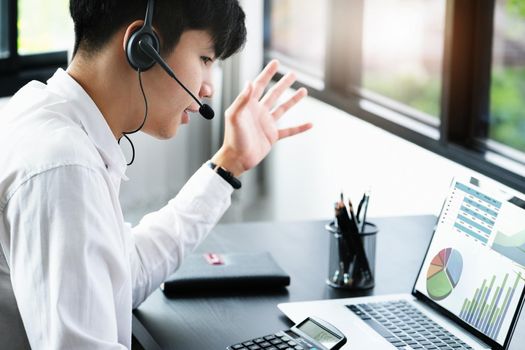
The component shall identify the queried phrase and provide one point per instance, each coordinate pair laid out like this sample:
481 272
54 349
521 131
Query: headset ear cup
136 57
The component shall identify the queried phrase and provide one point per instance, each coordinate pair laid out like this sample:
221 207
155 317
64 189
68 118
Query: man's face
168 103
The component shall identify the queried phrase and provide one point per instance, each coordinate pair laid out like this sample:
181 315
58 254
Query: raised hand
251 121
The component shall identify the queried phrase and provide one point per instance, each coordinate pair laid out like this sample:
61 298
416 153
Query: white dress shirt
75 267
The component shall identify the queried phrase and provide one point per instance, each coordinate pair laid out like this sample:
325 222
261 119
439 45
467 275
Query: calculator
310 334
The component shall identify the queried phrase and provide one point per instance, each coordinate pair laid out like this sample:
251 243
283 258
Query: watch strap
226 175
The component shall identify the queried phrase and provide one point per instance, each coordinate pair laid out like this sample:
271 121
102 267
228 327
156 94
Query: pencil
352 236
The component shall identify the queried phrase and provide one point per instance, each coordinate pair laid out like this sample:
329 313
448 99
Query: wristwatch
226 175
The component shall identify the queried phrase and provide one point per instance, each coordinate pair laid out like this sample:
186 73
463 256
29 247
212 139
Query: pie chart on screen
444 273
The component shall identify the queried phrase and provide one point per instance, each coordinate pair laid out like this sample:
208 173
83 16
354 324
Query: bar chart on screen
488 307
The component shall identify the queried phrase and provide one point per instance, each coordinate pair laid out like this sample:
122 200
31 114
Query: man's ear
136 25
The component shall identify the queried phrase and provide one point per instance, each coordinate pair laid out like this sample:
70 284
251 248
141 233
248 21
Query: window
507 94
446 75
44 26
298 40
403 53
34 39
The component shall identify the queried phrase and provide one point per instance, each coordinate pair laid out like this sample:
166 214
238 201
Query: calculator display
319 334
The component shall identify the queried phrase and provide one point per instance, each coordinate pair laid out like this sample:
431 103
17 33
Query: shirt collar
85 111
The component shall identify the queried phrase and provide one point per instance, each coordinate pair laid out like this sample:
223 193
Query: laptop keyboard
405 327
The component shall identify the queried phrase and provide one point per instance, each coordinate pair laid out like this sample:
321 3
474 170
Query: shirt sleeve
66 270
164 237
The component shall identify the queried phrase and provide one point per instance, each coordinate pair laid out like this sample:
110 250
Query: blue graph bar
485 305
464 309
489 324
506 307
471 233
471 306
477 314
497 323
477 296
485 322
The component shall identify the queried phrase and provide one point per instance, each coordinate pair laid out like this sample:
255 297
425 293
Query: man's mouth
186 115
187 112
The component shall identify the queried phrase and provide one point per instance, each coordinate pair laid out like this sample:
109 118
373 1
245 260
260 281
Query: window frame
461 135
17 70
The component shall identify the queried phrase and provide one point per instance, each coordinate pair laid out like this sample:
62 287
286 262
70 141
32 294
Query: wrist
228 162
226 175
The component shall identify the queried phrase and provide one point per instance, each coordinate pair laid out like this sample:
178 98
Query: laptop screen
475 264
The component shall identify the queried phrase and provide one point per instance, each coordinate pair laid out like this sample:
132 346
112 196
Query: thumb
242 100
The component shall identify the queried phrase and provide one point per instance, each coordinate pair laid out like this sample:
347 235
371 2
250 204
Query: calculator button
282 346
258 340
247 343
271 348
238 346
298 347
276 341
254 347
269 337
265 344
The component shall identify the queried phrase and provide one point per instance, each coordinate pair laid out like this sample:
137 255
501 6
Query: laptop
468 293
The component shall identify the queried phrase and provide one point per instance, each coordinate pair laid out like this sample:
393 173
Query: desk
210 321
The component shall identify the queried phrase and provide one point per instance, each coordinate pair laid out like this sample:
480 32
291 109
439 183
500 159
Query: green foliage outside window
507 100
414 91
508 107
507 94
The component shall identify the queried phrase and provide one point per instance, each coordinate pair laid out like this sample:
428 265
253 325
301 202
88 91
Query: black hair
97 21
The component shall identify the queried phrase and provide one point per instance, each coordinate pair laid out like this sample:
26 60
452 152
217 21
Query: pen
359 207
346 250
354 238
366 200
352 215
342 261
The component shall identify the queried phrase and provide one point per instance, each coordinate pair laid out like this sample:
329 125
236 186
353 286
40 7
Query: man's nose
206 90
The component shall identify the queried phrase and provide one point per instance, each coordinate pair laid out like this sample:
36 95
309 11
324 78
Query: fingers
263 79
242 100
283 108
277 90
294 130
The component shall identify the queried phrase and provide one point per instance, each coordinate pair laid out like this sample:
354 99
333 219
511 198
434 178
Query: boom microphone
205 110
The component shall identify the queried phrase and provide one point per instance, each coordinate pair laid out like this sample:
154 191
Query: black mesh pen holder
351 266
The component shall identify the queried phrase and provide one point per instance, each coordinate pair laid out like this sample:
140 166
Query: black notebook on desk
234 271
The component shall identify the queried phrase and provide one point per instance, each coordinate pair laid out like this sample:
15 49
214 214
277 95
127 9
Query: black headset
137 58
142 52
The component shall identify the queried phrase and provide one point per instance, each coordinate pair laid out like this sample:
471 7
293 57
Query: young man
72 265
